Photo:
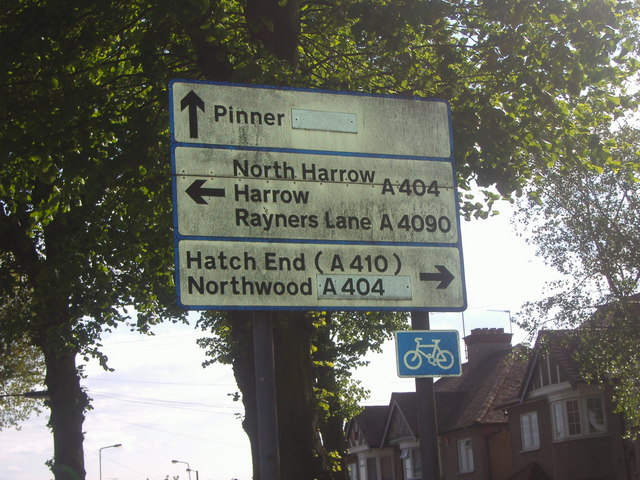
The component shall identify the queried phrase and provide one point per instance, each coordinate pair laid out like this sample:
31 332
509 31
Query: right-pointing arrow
444 276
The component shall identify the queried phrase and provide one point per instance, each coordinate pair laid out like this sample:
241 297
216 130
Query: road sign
232 274
244 194
259 117
428 353
262 173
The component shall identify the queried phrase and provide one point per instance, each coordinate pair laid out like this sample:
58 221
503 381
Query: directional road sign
257 194
261 173
428 353
331 276
259 117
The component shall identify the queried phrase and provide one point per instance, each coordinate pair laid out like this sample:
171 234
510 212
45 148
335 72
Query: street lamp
100 455
188 468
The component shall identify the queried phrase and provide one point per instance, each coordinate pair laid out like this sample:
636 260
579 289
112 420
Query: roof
559 345
371 422
474 397
532 471
470 399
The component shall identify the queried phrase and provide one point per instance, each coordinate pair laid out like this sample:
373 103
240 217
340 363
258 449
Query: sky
161 405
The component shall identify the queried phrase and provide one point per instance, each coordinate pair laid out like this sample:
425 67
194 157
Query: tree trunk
332 423
67 403
302 454
244 373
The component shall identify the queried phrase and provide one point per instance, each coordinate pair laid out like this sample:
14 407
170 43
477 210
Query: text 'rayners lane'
305 171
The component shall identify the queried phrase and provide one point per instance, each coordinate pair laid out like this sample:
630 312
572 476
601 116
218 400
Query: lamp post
100 455
188 468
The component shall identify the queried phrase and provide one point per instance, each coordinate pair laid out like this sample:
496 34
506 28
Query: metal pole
268 451
426 410
100 456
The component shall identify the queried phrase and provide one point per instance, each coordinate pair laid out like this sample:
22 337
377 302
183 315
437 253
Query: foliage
84 201
528 82
21 368
84 185
339 344
585 222
79 168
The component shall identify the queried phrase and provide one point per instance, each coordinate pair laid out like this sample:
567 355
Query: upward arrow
193 102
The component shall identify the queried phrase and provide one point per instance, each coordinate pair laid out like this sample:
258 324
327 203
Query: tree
84 202
585 222
319 392
21 368
84 191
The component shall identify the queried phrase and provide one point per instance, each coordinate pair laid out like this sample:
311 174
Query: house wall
491 453
598 457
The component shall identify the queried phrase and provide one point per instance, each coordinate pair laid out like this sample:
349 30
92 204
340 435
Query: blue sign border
177 237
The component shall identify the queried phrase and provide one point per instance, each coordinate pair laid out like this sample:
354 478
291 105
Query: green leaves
583 218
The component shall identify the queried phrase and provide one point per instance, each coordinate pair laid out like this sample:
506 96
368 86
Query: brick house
563 428
473 433
505 418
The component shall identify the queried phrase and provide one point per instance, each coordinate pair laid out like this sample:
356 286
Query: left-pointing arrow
444 276
192 101
196 191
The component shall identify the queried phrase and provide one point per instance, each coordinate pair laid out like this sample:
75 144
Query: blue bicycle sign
428 353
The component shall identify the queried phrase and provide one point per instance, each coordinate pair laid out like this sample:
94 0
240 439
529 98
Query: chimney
484 342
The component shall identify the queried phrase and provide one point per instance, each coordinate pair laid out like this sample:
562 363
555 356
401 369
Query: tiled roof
561 345
479 391
406 402
372 421
470 399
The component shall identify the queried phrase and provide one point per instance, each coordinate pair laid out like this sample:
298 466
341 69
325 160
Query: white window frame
353 471
465 455
602 418
411 459
376 463
529 431
583 428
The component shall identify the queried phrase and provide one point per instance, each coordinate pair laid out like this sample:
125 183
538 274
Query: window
595 415
529 431
412 462
372 468
386 468
558 420
353 471
573 416
465 455
578 416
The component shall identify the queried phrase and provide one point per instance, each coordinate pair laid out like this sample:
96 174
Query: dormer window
573 417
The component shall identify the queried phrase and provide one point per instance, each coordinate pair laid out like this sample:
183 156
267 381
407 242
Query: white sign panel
243 194
232 274
299 199
270 118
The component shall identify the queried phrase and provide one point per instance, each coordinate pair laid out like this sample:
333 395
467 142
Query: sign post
290 199
426 412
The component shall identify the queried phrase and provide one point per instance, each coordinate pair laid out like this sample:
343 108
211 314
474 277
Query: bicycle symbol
437 356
